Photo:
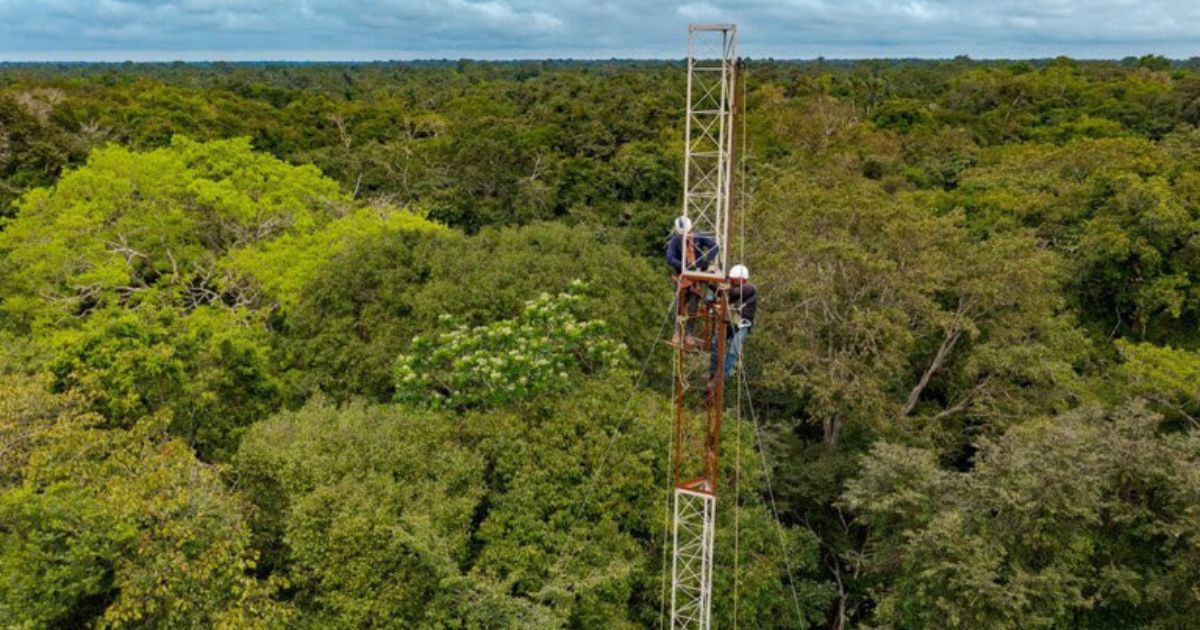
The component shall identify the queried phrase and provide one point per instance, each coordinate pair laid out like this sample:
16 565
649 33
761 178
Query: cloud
365 29
699 12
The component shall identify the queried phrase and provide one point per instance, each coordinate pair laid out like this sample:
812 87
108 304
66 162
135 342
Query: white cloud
922 11
502 15
1022 22
699 12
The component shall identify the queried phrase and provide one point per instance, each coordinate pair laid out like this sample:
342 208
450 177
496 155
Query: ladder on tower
702 302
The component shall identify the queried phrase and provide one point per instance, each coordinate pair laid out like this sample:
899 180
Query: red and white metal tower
702 306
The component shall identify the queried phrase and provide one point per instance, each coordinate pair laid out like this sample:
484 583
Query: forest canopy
380 345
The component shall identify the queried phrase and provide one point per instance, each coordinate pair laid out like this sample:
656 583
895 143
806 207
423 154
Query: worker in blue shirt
699 251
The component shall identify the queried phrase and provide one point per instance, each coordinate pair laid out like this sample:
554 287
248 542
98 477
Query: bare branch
952 336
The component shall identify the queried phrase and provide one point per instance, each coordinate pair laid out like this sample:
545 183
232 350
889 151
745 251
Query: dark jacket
705 251
743 298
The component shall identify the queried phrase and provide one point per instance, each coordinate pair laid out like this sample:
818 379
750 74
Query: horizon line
485 59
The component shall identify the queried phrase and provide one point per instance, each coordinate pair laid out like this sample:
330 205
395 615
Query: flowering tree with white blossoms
538 352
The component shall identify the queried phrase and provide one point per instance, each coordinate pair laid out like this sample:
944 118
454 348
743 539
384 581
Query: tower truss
702 317
708 131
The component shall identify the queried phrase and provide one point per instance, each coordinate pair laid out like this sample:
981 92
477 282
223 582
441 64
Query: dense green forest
379 345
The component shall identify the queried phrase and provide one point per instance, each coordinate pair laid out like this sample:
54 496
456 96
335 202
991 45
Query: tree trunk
833 430
839 616
939 359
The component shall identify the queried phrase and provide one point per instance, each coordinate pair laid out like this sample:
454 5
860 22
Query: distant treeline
562 135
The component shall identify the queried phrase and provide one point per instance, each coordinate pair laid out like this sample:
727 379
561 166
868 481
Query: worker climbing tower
702 313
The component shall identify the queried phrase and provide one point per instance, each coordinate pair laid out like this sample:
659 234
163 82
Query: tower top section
708 148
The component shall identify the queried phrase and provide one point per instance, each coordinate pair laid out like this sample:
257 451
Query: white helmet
683 225
739 272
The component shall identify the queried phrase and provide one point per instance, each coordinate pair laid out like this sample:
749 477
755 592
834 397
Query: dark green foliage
366 510
366 306
355 317
484 145
511 143
1123 211
207 370
1086 520
550 516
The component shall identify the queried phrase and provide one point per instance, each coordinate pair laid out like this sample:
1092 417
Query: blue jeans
733 350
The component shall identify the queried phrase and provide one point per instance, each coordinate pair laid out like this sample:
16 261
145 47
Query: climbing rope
737 502
744 392
636 384
675 371
662 595
587 495
766 463
737 458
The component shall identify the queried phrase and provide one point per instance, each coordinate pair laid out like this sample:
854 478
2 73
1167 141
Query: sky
343 30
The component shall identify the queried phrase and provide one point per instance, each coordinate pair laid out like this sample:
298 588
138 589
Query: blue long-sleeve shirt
705 251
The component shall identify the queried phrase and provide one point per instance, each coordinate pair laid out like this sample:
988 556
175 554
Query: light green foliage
19 355
132 228
147 278
189 224
284 266
1168 377
120 528
207 370
540 352
1086 520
